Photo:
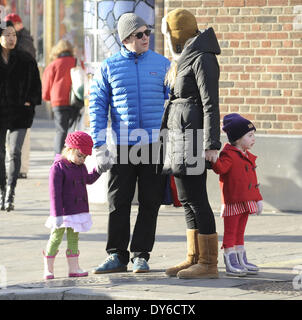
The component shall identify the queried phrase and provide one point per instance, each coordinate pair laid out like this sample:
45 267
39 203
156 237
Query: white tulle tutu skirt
80 222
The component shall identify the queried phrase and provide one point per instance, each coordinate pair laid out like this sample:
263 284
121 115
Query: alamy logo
2 16
188 149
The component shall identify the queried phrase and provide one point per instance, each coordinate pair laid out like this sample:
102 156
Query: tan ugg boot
206 268
192 254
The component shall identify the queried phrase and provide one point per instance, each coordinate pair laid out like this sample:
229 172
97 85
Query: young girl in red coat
240 191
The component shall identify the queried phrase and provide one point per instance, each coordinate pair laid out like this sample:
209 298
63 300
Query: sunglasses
139 35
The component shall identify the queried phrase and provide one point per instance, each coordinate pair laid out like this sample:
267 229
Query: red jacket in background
56 81
238 179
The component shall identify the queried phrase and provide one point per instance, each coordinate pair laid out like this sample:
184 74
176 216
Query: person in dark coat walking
20 92
25 42
192 124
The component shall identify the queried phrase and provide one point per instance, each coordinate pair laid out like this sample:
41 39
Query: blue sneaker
110 265
140 265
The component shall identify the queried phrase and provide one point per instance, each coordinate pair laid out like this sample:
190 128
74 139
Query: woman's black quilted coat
192 114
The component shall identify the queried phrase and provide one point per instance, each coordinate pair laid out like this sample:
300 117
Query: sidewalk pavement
273 241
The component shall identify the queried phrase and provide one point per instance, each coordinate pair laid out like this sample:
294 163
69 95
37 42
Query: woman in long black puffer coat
192 123
20 92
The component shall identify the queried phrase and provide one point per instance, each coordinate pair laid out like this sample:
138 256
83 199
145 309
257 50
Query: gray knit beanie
128 23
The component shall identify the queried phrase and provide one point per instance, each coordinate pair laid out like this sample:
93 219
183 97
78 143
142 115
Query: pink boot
73 263
48 266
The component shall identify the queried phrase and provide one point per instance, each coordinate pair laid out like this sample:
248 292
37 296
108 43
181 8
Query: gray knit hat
128 23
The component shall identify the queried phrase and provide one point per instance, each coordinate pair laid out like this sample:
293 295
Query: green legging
56 238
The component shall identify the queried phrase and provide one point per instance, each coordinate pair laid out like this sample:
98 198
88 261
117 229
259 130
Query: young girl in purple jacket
69 207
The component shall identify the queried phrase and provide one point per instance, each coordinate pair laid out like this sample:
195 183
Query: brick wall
261 59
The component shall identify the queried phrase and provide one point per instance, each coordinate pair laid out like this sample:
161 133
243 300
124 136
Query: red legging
234 227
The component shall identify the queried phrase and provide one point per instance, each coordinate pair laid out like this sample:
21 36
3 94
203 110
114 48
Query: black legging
15 143
192 194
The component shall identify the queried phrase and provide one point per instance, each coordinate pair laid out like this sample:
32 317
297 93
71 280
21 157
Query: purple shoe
251 268
233 268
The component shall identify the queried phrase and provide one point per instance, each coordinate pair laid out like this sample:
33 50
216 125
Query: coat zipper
138 93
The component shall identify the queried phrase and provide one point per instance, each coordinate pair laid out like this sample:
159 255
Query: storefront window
68 22
31 13
39 32
100 26
21 7
71 23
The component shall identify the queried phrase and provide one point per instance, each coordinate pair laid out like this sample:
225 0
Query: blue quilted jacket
130 88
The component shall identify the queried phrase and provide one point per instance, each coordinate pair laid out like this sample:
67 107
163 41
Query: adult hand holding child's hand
104 158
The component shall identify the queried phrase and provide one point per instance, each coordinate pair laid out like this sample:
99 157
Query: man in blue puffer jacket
130 87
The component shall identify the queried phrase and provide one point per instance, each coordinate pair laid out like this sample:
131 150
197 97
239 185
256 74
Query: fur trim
164 26
165 31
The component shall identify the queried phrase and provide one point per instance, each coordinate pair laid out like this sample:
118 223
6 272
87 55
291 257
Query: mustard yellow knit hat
181 25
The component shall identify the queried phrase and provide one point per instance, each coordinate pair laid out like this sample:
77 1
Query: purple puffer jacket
67 187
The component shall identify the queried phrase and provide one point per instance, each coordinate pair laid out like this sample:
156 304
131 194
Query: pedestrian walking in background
25 42
69 208
56 85
131 82
240 191
20 92
192 122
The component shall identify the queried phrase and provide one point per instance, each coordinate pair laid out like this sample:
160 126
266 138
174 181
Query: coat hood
59 158
204 42
68 164
25 34
229 148
25 42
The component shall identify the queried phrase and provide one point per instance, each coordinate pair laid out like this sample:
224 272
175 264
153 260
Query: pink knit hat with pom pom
81 141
